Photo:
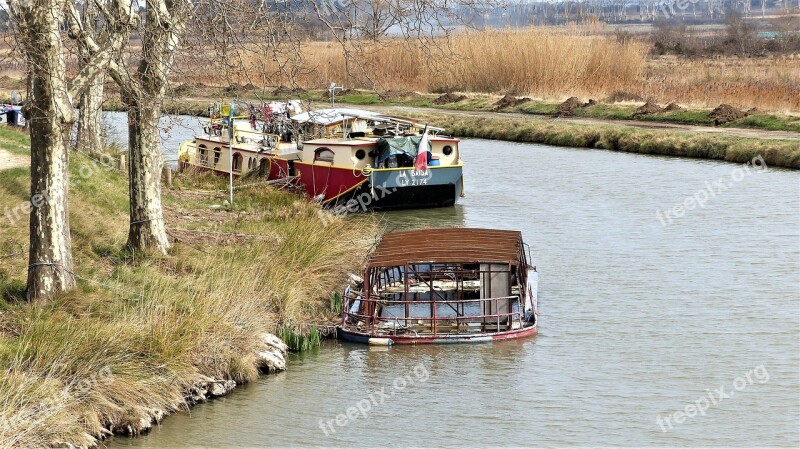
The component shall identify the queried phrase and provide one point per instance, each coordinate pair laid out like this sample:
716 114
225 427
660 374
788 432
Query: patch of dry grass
764 83
117 355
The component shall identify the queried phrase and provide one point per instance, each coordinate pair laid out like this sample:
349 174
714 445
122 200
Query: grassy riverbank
141 331
776 153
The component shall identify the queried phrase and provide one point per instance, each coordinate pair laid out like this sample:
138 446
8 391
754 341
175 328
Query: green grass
538 108
767 121
142 329
684 117
14 141
360 99
606 111
300 341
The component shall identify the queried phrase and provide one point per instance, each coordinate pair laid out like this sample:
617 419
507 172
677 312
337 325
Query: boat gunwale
521 332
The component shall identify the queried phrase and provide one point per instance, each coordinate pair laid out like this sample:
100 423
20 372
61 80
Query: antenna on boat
332 91
231 134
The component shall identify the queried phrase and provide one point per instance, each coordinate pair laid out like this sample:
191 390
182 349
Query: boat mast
230 152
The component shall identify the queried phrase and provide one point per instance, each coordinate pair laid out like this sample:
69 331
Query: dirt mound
725 113
234 87
11 83
509 101
346 92
449 98
648 108
672 107
283 90
389 94
621 95
566 108
183 89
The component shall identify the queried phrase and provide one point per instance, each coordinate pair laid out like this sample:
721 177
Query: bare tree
50 115
143 93
91 100
740 32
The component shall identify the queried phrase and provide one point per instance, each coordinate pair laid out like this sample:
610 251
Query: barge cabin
443 286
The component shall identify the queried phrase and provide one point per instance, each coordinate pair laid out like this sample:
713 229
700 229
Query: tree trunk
147 229
90 122
144 93
49 117
50 261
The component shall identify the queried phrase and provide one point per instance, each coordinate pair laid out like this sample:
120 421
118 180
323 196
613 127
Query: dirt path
733 132
8 160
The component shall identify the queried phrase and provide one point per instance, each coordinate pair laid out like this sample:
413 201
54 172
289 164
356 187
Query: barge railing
368 322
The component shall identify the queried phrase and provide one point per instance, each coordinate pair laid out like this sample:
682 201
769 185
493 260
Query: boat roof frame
449 246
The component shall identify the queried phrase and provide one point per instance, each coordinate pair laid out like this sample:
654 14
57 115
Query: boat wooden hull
389 340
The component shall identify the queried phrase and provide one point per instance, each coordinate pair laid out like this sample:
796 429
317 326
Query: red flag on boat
422 152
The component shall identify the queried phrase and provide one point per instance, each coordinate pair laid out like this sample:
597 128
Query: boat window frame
237 156
202 154
217 155
321 150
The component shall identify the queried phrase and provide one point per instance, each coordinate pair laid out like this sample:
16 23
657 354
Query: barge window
203 153
323 154
237 162
217 153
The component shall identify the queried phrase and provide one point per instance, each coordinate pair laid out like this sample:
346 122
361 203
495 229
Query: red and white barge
346 159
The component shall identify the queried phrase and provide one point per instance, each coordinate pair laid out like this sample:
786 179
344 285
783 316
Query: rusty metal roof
448 245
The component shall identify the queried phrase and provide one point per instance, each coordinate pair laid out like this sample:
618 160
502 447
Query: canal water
659 326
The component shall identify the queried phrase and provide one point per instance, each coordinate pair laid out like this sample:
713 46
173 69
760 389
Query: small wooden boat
456 285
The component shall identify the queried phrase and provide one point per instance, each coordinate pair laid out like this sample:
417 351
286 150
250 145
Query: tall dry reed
538 61
546 63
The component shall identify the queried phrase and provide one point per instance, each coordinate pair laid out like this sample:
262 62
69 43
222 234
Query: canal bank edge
776 153
144 335
729 145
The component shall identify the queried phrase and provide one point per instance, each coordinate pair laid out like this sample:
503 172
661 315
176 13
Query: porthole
361 154
447 150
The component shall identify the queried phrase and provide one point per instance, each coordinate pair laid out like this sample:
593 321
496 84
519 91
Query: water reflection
444 217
